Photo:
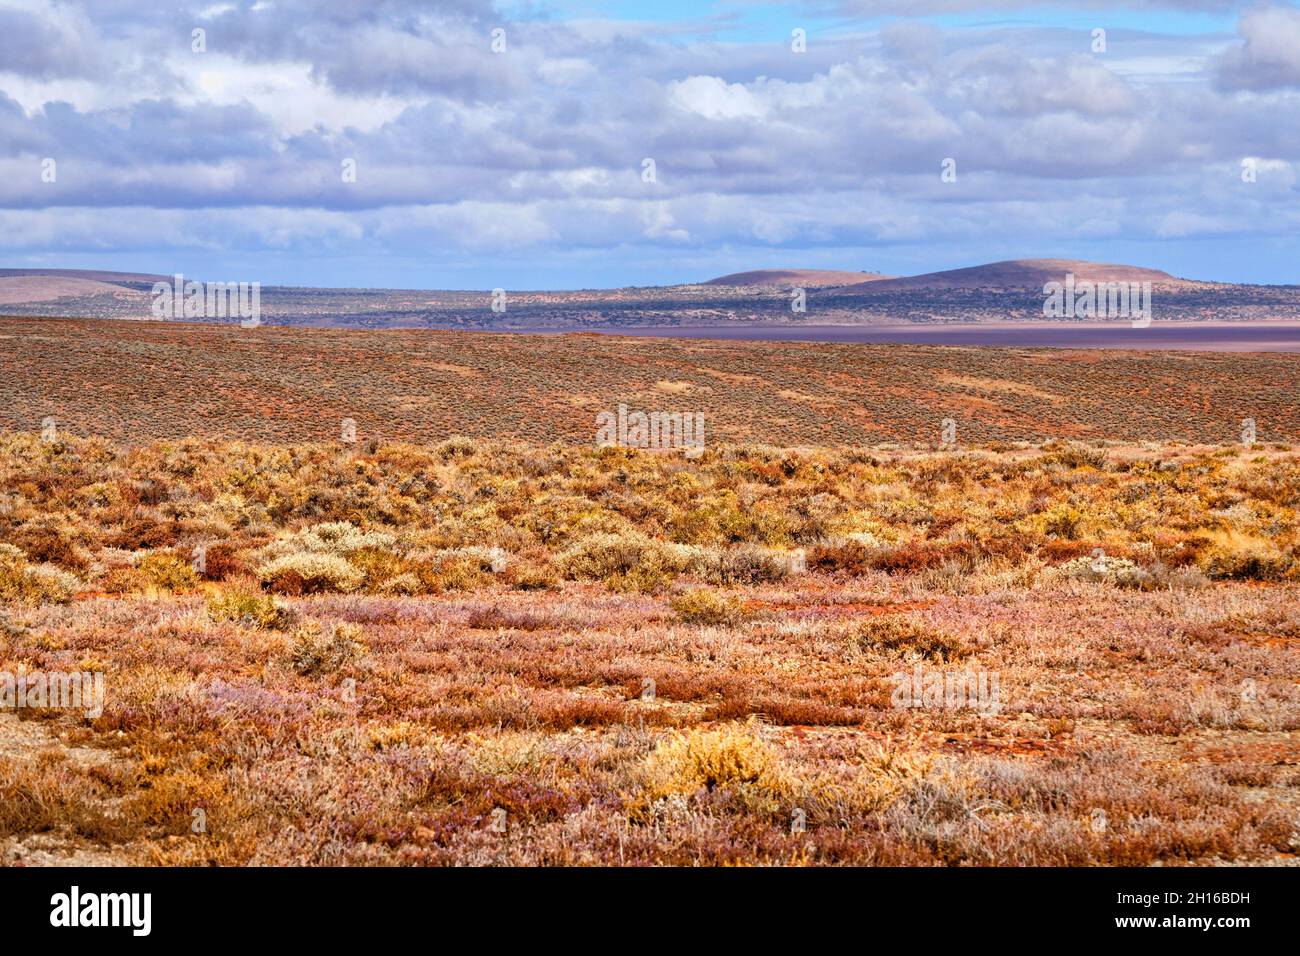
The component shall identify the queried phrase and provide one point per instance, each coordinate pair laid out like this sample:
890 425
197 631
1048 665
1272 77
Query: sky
466 144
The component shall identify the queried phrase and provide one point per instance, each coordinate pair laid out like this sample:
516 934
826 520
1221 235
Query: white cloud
713 98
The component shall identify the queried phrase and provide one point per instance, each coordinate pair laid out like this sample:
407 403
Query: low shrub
491 560
708 607
1062 521
47 543
1076 456
457 446
905 637
378 566
695 760
746 564
318 650
168 571
311 573
25 583
406 584
122 579
453 574
630 561
913 556
221 562
532 575
252 608
1237 556
1120 572
847 555
337 538
143 532
1011 547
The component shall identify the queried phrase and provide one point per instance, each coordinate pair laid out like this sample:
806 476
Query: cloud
538 150
45 44
442 47
1268 58
714 98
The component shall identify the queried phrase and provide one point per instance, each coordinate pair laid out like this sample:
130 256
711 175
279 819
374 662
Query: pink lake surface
1186 336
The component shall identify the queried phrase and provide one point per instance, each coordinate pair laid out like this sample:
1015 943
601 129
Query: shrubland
484 652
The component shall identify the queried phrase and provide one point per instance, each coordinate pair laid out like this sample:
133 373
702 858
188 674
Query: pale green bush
26 583
309 573
1120 572
339 538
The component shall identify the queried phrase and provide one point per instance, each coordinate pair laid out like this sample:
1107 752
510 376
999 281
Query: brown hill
796 277
96 274
16 290
1023 274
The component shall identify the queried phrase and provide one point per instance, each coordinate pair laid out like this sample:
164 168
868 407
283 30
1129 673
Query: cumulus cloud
714 98
1268 57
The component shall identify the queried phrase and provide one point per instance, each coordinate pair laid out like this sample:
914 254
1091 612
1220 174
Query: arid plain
467 635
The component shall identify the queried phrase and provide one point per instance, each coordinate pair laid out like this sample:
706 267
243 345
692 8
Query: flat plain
135 382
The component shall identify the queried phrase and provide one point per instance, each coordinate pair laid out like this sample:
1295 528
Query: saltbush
310 573
26 583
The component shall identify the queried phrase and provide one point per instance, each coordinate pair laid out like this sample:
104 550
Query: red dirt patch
1003 746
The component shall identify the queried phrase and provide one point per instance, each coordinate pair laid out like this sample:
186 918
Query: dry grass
468 683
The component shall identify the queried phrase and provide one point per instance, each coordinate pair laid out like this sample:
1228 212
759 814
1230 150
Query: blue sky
755 21
122 146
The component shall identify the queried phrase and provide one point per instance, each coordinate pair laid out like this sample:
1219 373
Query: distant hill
995 292
810 278
1022 274
46 288
94 274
